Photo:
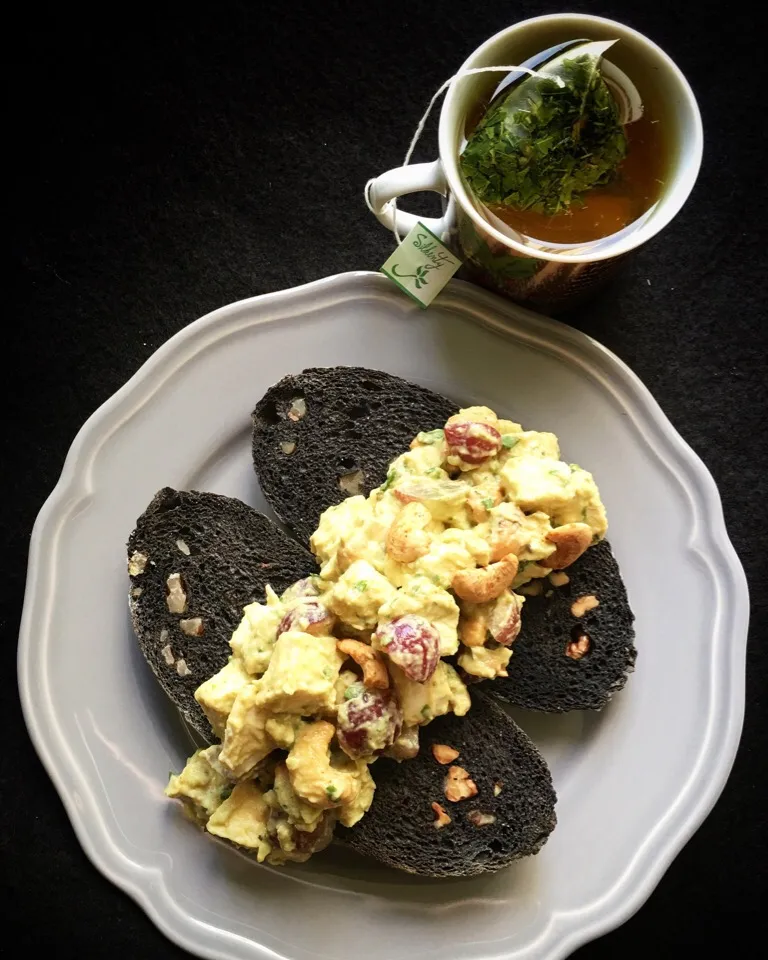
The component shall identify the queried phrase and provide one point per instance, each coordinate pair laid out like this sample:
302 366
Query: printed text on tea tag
421 265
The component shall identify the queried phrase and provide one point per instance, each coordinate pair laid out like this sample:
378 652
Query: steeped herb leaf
543 145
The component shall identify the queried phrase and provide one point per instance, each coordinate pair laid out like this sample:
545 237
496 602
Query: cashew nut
485 583
373 666
473 630
407 540
309 767
570 540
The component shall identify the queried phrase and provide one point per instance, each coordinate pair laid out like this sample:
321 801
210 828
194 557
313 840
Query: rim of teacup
452 118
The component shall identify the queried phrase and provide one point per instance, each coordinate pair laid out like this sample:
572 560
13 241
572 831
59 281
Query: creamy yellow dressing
301 675
406 588
485 663
443 693
203 785
242 819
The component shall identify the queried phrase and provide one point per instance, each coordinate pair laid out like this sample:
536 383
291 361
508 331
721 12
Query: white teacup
548 278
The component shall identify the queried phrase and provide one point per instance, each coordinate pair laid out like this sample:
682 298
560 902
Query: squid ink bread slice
329 432
399 827
541 674
225 553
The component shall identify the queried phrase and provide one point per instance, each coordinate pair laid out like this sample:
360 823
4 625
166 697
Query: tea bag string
422 123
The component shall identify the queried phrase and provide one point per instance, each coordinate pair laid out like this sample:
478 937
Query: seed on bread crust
192 627
441 817
579 647
176 598
459 785
481 819
584 605
443 753
137 563
298 409
558 578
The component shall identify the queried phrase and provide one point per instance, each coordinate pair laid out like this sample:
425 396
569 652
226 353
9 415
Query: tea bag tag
421 265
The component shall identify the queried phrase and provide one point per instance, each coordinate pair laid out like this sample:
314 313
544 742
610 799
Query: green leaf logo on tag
419 277
421 266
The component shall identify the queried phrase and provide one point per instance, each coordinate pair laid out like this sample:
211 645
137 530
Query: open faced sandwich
347 681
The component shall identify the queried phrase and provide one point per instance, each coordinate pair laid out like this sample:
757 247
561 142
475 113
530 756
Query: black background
166 162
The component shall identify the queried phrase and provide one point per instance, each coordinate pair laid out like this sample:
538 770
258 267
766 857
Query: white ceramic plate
633 782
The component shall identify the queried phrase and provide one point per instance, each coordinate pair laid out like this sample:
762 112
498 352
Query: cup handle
402 180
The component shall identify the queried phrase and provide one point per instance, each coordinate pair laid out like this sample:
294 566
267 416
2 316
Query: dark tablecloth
168 162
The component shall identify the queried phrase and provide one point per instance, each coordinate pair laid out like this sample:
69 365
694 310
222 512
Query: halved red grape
309 616
368 723
472 442
411 643
504 619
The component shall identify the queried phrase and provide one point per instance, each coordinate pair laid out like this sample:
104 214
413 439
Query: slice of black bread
226 554
351 423
542 676
399 827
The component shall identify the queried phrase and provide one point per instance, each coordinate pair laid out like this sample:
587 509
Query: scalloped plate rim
565 931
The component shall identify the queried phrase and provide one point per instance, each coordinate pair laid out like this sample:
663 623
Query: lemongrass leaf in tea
550 139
